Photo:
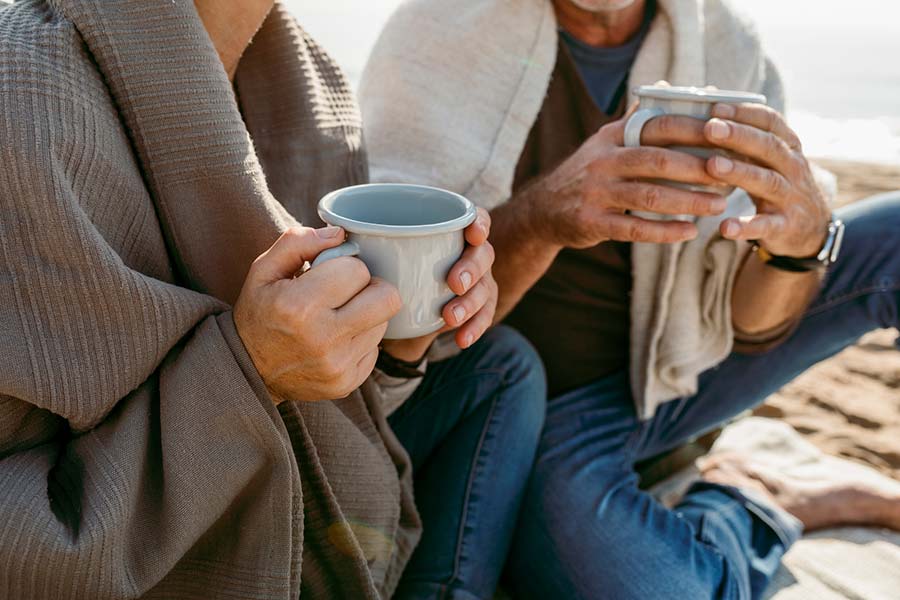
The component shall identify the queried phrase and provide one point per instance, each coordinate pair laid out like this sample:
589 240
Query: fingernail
731 228
723 165
329 232
459 313
726 111
468 339
719 129
466 279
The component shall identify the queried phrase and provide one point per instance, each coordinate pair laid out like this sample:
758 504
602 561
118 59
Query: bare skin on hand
588 199
471 313
317 337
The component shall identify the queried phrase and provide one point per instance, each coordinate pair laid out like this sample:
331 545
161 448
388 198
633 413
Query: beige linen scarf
140 454
452 89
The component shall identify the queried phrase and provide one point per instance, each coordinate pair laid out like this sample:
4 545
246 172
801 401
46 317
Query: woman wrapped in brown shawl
140 452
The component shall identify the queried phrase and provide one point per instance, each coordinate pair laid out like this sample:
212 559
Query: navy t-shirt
605 70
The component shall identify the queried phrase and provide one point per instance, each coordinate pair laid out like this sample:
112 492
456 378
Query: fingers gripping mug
658 100
408 235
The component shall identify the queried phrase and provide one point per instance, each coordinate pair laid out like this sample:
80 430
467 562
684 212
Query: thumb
290 251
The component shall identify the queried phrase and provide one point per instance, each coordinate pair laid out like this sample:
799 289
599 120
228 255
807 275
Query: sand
850 405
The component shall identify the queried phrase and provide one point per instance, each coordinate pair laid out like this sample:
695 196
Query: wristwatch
824 259
394 367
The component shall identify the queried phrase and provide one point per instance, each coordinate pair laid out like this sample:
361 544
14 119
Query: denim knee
523 378
873 228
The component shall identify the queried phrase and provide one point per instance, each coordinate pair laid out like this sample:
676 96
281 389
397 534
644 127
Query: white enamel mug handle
635 125
345 249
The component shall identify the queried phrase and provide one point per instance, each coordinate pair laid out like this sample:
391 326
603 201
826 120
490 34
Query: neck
604 29
231 25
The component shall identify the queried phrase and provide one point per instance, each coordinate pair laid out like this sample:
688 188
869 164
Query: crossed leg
587 531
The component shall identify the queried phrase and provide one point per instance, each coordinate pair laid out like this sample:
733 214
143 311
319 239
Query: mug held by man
408 235
659 100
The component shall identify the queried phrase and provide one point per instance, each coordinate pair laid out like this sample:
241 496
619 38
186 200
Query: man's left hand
792 214
472 311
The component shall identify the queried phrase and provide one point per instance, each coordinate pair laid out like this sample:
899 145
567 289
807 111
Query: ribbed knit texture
140 455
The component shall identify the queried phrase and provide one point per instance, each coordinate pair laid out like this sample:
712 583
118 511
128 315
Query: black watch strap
826 257
788 263
394 367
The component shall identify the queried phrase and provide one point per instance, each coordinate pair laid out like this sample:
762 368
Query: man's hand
316 336
792 214
791 217
585 200
472 311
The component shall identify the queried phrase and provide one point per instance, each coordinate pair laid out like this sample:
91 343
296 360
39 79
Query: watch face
824 254
838 242
832 246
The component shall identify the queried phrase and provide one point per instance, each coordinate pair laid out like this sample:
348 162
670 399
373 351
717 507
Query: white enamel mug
658 100
408 235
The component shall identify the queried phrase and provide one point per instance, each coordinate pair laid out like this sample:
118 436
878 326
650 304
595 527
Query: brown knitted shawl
140 455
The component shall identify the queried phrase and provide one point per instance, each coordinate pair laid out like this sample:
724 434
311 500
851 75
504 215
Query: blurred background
840 60
841 63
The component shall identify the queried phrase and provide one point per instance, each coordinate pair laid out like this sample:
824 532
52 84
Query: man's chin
602 5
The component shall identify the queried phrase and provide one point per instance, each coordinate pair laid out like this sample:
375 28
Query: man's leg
860 294
587 531
471 430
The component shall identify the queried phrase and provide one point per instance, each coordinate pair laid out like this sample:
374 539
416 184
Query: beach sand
849 406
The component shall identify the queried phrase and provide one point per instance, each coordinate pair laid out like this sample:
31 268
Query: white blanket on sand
452 89
848 563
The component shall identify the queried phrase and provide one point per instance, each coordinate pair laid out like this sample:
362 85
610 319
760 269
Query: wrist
409 350
392 366
536 222
804 245
808 248
800 260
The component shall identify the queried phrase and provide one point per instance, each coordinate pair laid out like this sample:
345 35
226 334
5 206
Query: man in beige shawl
182 415
652 330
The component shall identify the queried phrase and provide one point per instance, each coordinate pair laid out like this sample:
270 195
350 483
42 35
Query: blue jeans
471 429
587 531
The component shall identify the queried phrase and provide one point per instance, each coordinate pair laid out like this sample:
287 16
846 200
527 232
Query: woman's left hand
472 311
792 214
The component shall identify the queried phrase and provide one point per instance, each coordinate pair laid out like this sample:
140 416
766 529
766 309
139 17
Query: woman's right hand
316 336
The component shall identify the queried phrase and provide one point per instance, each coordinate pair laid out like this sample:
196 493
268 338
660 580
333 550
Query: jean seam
851 296
475 460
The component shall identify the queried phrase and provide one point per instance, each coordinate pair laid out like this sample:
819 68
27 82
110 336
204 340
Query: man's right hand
316 336
584 201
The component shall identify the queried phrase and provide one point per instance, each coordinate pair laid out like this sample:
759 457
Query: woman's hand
316 336
792 214
472 311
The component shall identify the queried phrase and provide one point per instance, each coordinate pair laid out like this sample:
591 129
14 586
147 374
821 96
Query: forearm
765 298
523 251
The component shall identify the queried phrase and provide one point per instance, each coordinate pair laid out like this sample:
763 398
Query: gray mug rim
361 227
695 94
